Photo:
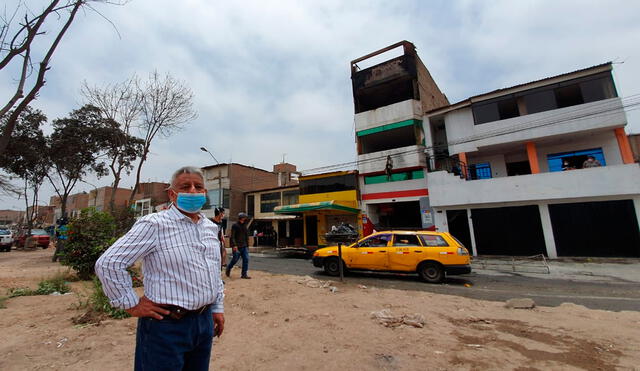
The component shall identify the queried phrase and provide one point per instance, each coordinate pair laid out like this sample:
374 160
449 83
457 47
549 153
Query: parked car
40 235
6 241
429 254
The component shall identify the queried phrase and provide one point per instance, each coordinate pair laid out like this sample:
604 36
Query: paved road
615 295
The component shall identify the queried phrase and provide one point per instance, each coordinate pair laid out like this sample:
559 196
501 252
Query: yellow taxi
430 254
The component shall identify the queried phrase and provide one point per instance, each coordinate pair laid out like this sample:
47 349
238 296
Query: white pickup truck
5 240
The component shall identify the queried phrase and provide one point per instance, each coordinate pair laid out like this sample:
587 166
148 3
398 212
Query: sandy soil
278 322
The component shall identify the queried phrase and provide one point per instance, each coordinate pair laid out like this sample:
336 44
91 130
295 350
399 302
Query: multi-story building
228 183
100 198
275 229
75 203
42 216
390 99
151 197
325 200
517 177
10 217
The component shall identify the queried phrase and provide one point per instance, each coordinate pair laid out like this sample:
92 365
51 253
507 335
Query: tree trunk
138 172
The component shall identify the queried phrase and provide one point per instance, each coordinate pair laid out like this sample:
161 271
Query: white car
5 240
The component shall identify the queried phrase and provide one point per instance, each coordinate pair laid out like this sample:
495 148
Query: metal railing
526 264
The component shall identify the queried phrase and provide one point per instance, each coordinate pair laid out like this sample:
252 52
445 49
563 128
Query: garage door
607 229
508 231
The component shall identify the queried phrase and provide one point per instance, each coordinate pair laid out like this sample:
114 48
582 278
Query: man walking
182 307
239 241
218 215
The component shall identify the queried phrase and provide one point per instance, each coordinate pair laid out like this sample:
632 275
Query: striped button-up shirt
180 262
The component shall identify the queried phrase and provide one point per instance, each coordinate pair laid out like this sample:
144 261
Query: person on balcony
591 162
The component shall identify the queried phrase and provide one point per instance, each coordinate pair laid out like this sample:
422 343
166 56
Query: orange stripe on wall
409 193
532 153
625 147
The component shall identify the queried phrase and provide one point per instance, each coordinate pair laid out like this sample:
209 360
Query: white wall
447 190
405 110
601 139
559 122
376 161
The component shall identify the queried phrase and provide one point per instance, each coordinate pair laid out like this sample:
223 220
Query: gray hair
186 170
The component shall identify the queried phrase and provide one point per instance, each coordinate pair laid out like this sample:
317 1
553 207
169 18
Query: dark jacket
239 235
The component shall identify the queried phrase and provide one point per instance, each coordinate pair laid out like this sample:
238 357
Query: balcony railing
459 168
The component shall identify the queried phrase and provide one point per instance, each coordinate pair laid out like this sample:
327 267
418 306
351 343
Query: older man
182 307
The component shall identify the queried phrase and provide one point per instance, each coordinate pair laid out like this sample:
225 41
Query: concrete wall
430 95
601 139
559 122
446 190
412 156
403 185
406 110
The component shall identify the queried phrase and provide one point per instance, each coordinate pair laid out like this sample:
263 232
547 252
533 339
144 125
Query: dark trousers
173 345
244 252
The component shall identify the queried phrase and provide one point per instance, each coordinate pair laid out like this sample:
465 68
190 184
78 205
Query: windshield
4 232
38 231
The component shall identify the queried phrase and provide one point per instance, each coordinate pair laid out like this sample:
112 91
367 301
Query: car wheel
431 272
332 267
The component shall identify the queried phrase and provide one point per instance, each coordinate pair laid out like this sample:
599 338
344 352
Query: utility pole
203 149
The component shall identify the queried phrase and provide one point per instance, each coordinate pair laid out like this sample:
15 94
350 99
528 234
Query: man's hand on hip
147 308
218 324
234 249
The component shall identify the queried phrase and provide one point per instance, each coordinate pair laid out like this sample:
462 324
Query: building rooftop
524 86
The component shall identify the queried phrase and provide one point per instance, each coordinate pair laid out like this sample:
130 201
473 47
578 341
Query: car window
38 231
406 240
380 240
433 240
4 232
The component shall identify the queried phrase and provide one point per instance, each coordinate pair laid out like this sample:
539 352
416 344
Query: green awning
324 205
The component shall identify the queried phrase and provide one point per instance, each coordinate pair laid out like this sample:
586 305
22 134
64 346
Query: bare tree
121 103
167 105
23 36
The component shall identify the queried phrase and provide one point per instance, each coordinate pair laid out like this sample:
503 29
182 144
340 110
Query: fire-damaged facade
390 99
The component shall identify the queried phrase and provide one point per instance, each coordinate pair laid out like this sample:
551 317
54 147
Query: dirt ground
280 322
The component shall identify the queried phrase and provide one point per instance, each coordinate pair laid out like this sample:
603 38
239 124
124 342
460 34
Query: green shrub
45 287
100 302
88 237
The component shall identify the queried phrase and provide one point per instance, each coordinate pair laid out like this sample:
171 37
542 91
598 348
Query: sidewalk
578 269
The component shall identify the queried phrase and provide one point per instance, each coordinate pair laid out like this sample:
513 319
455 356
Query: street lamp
95 199
203 149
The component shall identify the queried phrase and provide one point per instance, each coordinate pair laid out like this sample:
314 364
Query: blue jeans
172 345
244 252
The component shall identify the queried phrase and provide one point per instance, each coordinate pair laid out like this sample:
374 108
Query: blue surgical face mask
190 202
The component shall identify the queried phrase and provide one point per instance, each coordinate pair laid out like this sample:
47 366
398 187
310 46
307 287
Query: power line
602 108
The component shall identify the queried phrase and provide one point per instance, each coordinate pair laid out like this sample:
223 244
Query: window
251 205
406 175
543 100
406 240
290 197
269 201
480 171
389 139
433 240
213 198
143 207
495 109
564 94
380 240
518 168
567 96
330 184
574 160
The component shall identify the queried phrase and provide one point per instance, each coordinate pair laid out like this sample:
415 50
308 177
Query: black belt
177 312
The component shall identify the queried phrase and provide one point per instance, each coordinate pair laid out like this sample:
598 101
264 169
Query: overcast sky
272 77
